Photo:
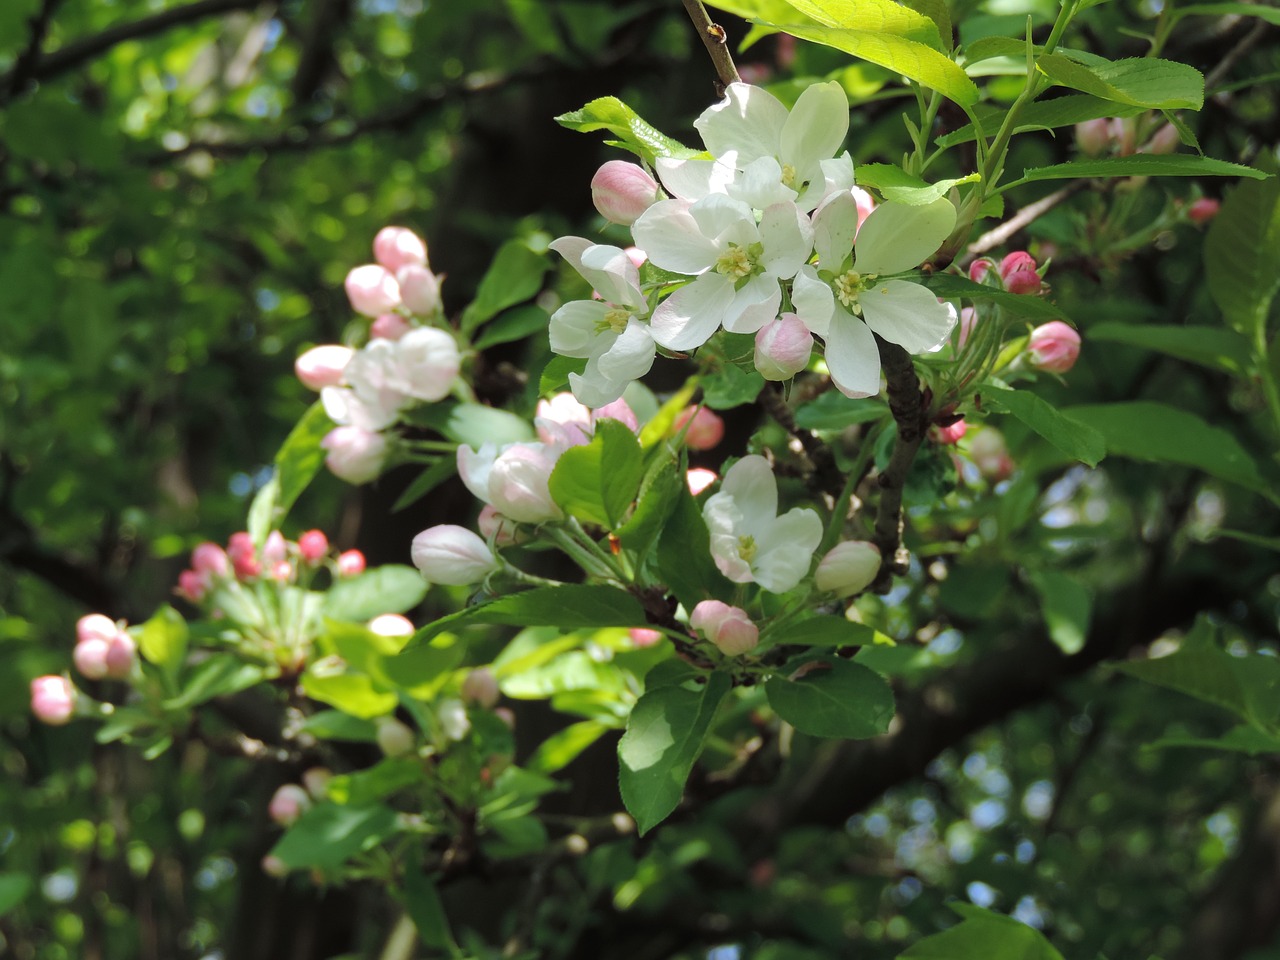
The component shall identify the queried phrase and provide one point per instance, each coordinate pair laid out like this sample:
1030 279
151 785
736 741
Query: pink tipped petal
909 315
852 356
687 319
897 237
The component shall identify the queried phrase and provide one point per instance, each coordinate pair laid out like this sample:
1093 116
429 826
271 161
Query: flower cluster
757 239
279 560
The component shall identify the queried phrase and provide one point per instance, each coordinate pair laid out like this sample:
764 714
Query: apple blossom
950 433
211 560
729 628
396 247
452 555
350 563
847 302
749 541
243 555
388 326
288 803
1018 273
354 455
848 568
621 191
783 347
419 290
322 366
612 334
372 289
392 625
481 687
705 427
1053 347
513 481
313 546
53 700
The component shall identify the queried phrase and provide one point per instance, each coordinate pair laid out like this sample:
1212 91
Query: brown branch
81 51
1234 55
716 41
909 410
1023 218
21 73
826 476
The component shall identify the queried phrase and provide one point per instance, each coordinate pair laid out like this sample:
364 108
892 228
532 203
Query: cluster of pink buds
400 281
1017 273
103 648
1123 136
279 560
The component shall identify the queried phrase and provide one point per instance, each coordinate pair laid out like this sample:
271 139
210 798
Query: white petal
786 550
573 328
815 128
908 314
787 237
694 179
897 237
754 490
725 220
594 389
724 521
814 301
687 319
571 248
754 305
474 467
612 274
837 177
672 238
630 357
852 356
759 184
834 226
748 120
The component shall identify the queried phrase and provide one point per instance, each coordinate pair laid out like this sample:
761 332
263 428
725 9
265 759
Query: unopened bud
1124 135
982 270
729 628
354 455
699 478
1093 137
619 410
990 455
389 326
396 247
964 329
481 687
372 289
419 290
273 866
350 563
53 700
316 781
848 568
622 191
90 657
288 804
243 555
1018 273
322 366
706 429
395 739
122 654
392 625
783 346
1164 140
1053 347
642 637
210 559
948 434
452 555
1203 210
496 528
313 546
275 550
96 626
192 585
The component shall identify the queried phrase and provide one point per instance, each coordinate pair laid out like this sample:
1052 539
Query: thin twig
1023 218
909 413
825 477
24 67
1232 57
715 40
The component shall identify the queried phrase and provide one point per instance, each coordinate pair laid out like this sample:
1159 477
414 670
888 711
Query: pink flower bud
1203 210
452 555
122 654
990 455
273 866
622 191
706 429
1053 347
322 366
642 637
968 320
1018 273
395 739
497 528
355 455
316 781
96 626
90 657
1124 134
481 687
350 563
783 346
1164 140
981 270
848 568
389 326
372 289
729 628
288 804
699 478
211 560
518 484
53 700
192 585
419 290
619 410
949 434
282 571
392 625
276 549
1093 137
396 247
244 558
313 546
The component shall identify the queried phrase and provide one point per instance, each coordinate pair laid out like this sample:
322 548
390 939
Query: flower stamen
614 320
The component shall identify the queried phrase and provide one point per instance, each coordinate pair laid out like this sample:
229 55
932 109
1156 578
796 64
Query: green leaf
939 12
1263 12
1067 607
262 511
422 901
1242 254
597 481
1207 346
1142 430
833 411
220 675
426 481
14 888
475 424
983 935
658 496
1142 165
354 693
555 375
1241 739
875 16
575 670
825 631
684 556
563 747
1140 82
392 588
916 61
1046 114
570 607
336 725
948 286
665 735
299 459
515 276
419 670
328 835
1071 434
897 185
164 640
838 698
731 386
633 133
513 325
386 777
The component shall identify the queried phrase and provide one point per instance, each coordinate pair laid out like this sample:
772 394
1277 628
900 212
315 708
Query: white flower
845 301
749 541
388 375
512 480
763 153
452 555
737 264
610 333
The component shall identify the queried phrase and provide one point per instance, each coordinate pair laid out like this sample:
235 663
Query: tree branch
716 41
1023 218
20 75
826 477
909 412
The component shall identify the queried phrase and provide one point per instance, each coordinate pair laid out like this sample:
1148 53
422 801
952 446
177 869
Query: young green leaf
570 606
1075 438
1142 165
895 184
299 459
515 276
983 935
634 134
392 588
1067 607
597 482
1141 82
875 16
328 835
838 698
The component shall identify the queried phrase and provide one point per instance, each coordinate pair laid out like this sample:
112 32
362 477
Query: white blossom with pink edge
452 555
513 480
